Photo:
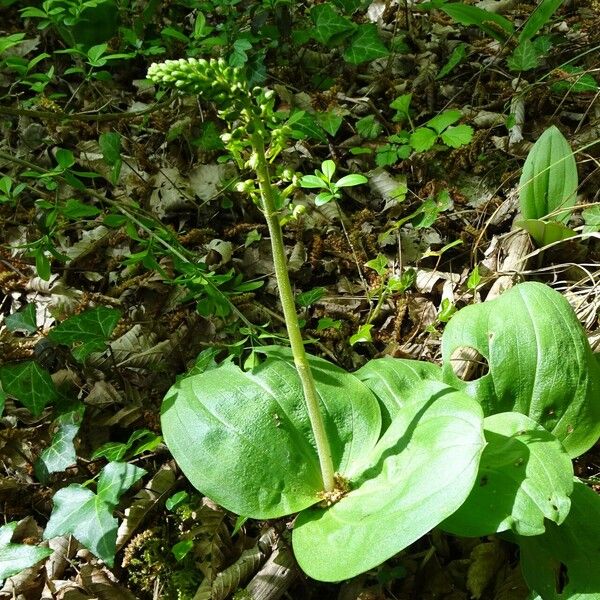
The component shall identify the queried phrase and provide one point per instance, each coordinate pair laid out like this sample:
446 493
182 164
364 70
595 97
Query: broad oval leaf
544 233
244 438
525 476
563 562
392 381
539 359
421 471
549 178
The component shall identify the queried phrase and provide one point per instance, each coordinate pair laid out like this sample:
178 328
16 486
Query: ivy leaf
305 299
330 122
365 45
60 455
238 56
422 139
87 516
402 107
328 23
87 332
30 384
16 557
24 320
458 136
524 57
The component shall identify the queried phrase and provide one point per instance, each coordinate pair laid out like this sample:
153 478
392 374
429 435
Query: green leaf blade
16 557
420 472
30 384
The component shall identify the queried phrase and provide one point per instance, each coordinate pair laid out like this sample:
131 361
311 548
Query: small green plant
548 188
372 460
332 189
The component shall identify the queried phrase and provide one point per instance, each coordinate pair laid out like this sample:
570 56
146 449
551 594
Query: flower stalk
226 86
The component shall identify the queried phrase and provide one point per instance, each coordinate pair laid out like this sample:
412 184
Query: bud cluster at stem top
212 78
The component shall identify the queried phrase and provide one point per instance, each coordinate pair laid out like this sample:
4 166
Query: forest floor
107 186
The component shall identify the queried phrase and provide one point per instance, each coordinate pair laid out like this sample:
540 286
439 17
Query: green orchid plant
371 461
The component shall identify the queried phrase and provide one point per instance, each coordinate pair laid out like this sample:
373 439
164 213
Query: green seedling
371 461
332 190
548 188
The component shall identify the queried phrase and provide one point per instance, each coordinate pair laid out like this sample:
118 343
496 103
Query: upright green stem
289 311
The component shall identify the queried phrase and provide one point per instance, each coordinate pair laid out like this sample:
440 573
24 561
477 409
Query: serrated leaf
61 454
365 45
30 384
379 264
16 557
444 120
24 320
328 23
362 335
87 516
458 136
563 562
539 359
88 332
422 139
524 57
525 476
549 179
402 107
420 472
256 423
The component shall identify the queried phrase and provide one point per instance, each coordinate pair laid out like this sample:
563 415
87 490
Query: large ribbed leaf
562 564
244 438
421 471
525 476
539 359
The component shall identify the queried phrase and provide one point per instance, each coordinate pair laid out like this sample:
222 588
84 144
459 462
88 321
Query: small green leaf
328 323
181 549
64 158
362 335
14 558
306 299
330 121
30 384
312 181
457 56
61 454
176 500
379 264
524 57
466 14
110 146
239 56
444 120
402 107
525 477
539 17
365 45
423 139
474 279
88 332
74 209
328 168
24 320
549 179
324 198
458 136
351 180
368 127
